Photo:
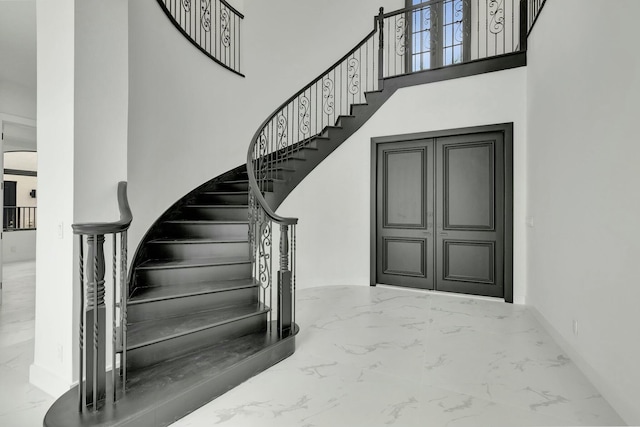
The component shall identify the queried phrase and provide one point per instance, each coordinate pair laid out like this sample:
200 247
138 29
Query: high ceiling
18 42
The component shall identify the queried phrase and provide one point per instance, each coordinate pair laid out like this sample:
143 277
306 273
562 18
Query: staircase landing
161 394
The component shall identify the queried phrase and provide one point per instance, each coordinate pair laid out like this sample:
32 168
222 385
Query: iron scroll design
213 26
496 11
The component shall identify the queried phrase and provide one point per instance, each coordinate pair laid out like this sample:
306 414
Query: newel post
284 285
94 320
381 48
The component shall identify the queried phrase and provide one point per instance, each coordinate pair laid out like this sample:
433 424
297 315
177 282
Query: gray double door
440 214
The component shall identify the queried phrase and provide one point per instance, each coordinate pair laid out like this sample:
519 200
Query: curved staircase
199 312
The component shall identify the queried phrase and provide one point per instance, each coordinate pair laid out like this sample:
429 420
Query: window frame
437 47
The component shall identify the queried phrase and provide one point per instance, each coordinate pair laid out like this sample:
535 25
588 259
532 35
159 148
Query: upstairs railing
440 33
430 35
19 218
213 26
92 373
534 9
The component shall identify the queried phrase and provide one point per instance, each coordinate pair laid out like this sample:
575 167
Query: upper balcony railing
439 33
431 35
19 218
213 26
533 11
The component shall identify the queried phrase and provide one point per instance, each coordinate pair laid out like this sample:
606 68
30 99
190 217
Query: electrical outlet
575 327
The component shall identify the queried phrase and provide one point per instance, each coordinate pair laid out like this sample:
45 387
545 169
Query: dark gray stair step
216 212
344 118
155 341
232 185
224 197
167 301
231 230
162 393
169 272
197 248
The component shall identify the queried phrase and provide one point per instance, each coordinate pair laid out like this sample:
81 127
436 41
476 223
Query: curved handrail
253 183
94 228
212 26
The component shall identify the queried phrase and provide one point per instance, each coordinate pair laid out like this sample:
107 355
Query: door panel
470 214
404 212
468 186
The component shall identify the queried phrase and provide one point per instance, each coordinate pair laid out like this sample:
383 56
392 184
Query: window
439 33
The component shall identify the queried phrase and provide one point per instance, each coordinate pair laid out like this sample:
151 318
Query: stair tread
187 371
226 193
206 221
195 241
152 387
194 262
152 331
159 293
217 206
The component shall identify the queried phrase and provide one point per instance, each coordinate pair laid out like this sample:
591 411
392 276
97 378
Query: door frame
507 131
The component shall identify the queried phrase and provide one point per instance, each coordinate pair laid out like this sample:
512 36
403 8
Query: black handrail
220 40
97 228
253 183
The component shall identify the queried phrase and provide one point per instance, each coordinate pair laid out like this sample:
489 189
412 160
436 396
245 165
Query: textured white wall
191 120
333 202
583 110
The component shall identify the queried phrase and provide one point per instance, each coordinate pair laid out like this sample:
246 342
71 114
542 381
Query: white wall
17 99
333 202
54 328
191 120
18 246
583 110
82 145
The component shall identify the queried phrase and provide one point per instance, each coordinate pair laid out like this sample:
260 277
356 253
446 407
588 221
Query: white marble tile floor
365 357
21 404
385 356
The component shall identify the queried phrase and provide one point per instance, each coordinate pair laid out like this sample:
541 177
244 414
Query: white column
82 143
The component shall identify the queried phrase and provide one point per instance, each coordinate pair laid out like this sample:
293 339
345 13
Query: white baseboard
628 411
48 381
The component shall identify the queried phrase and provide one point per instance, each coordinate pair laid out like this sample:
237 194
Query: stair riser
230 186
191 304
197 250
216 213
214 231
223 199
167 349
173 276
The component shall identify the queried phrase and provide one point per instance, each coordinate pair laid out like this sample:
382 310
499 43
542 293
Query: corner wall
333 202
583 109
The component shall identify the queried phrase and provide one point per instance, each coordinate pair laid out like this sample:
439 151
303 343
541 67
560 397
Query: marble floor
365 357
384 356
21 404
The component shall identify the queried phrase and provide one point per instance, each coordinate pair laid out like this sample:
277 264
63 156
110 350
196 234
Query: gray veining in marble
365 357
21 404
392 357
